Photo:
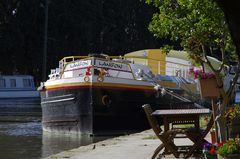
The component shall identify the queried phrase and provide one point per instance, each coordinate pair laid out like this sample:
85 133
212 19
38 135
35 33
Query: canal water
25 140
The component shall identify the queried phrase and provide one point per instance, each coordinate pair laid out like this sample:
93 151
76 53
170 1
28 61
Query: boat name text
110 64
79 64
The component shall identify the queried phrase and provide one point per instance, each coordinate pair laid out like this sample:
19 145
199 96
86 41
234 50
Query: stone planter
233 156
208 156
209 88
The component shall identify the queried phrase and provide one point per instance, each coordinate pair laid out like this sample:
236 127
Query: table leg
196 122
166 124
166 128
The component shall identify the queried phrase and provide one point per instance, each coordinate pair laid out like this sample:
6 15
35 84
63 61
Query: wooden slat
181 111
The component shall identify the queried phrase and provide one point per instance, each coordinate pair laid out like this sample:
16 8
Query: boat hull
96 110
20 109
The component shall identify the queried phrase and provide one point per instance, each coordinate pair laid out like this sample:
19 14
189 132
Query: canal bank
135 146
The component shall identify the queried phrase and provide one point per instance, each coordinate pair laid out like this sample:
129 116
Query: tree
75 27
201 29
20 36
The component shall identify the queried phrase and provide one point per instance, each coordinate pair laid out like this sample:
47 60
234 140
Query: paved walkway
135 146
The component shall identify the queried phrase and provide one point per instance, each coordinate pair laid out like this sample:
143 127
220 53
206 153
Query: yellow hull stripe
99 84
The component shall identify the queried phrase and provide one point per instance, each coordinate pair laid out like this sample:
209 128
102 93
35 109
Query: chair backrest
151 119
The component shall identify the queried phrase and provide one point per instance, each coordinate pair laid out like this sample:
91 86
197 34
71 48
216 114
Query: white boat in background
18 94
17 86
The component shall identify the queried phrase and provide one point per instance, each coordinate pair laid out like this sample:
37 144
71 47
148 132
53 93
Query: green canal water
25 140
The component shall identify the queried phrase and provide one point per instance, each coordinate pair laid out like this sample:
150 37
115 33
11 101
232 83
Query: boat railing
65 60
163 67
54 74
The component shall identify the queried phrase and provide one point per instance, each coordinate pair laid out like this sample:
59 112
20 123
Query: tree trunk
220 120
222 129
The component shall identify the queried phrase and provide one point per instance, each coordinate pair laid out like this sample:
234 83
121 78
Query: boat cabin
16 82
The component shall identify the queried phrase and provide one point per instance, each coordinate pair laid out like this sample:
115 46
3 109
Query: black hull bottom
96 110
102 125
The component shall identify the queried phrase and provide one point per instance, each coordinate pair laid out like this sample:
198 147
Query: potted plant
232 116
229 149
208 83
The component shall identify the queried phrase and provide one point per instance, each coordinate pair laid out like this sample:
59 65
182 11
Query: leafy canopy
200 26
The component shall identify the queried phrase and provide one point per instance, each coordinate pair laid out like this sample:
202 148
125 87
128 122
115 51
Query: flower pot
209 88
233 156
208 156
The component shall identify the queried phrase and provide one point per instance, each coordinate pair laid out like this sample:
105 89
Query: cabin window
12 82
2 83
26 83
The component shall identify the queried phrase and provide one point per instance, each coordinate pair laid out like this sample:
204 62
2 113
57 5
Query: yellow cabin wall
157 61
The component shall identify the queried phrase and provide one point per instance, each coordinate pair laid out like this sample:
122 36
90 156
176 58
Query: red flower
212 151
220 144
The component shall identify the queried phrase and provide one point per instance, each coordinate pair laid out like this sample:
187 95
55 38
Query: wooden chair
165 137
197 137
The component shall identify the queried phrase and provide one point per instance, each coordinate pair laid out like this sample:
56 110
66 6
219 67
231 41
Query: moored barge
98 94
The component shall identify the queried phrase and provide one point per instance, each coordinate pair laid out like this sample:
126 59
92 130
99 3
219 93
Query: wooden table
180 116
183 116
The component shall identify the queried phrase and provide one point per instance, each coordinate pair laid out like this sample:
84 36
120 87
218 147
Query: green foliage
196 24
167 48
232 146
232 113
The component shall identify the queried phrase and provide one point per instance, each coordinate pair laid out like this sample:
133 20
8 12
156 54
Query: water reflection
20 140
54 143
27 141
